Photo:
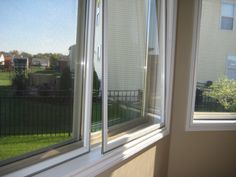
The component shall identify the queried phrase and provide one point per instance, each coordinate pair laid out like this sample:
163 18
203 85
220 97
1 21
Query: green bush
66 82
224 91
96 83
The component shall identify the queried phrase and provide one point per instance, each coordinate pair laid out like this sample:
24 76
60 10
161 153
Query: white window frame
209 123
94 162
231 3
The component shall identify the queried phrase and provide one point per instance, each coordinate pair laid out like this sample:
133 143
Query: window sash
227 16
83 98
107 144
227 23
227 9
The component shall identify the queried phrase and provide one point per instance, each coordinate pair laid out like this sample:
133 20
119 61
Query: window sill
94 163
214 115
212 121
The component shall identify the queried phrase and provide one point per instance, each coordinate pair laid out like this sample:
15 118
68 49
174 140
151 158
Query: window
98 12
231 67
153 29
41 107
113 64
227 16
214 94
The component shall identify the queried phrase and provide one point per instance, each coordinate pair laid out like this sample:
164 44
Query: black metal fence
23 112
51 112
204 103
123 105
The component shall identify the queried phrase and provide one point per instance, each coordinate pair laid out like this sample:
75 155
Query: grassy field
12 146
40 70
5 78
35 115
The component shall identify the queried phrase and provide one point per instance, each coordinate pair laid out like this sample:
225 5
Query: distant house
8 62
21 63
72 57
5 61
2 59
217 32
2 62
63 63
40 62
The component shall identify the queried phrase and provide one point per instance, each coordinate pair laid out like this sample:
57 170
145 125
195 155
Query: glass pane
153 29
227 23
215 89
155 68
37 59
135 71
126 59
227 10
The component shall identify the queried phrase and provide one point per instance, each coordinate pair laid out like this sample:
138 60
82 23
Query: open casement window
133 77
213 88
46 119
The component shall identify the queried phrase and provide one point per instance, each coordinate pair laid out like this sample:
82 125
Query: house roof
8 58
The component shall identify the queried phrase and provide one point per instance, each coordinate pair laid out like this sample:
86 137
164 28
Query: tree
96 83
54 60
26 55
15 52
66 81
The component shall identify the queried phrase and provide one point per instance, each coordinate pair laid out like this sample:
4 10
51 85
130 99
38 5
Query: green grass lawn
5 78
5 82
12 146
35 115
40 70
35 69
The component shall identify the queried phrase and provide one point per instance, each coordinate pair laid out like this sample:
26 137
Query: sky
38 26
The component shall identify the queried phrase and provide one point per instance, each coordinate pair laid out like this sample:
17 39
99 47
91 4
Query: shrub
66 82
20 81
224 91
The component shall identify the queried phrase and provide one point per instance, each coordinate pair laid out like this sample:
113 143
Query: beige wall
194 154
215 44
153 161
